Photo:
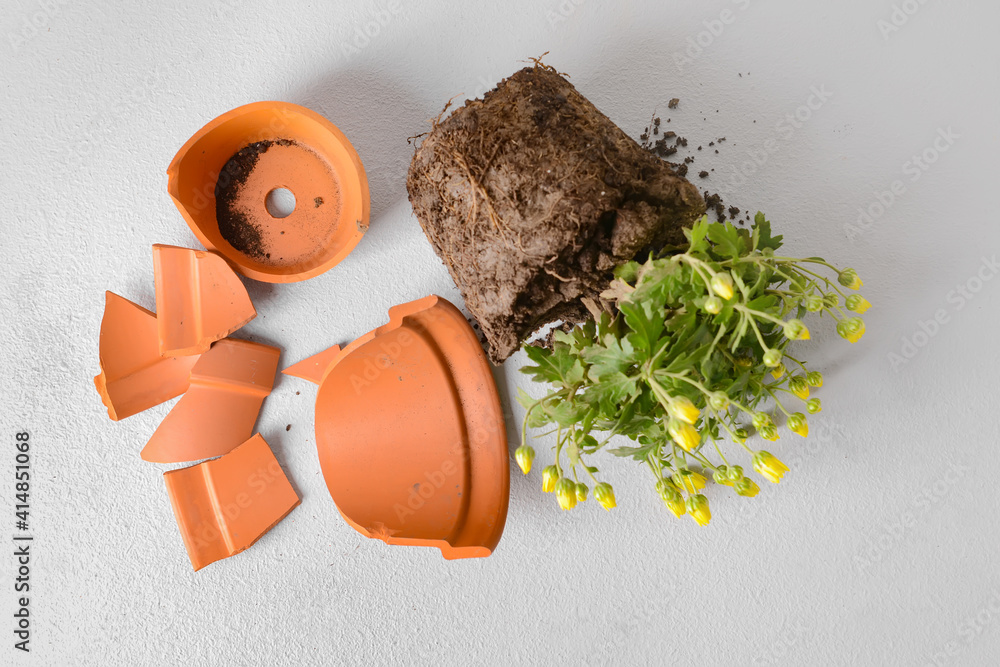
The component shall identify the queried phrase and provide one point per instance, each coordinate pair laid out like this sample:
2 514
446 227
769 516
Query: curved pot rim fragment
411 435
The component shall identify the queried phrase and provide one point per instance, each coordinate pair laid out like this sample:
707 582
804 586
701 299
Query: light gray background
875 550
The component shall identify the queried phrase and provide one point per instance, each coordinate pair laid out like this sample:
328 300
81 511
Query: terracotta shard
313 368
133 375
199 299
222 177
411 435
218 412
225 505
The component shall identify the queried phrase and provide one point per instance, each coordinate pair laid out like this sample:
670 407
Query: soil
531 197
235 227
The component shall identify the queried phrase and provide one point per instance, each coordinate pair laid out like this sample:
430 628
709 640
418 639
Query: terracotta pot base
411 435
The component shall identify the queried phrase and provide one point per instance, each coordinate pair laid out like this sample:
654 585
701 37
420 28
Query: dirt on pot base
531 196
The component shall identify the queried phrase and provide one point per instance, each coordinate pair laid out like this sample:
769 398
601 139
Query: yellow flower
683 434
550 475
671 497
581 492
605 495
797 424
689 480
566 493
524 455
851 329
697 507
684 409
799 386
768 466
796 330
858 304
849 278
747 487
778 371
722 284
769 432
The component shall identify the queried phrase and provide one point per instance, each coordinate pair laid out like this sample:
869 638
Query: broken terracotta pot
218 412
224 505
199 299
411 434
133 375
225 177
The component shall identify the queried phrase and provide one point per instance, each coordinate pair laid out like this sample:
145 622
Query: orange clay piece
134 376
199 299
411 435
314 160
313 368
225 505
218 412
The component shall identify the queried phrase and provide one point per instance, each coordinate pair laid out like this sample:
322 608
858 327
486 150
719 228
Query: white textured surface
869 553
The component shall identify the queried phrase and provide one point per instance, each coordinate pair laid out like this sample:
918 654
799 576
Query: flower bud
747 487
761 419
714 305
689 480
769 432
797 424
524 455
719 400
772 358
683 434
684 409
697 507
721 476
798 386
550 475
566 493
743 362
741 435
778 371
722 284
735 473
796 330
768 466
581 492
813 405
857 303
849 278
814 379
851 329
814 303
671 497
605 495
831 300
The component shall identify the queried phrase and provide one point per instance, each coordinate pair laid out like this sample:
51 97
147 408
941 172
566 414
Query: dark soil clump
532 196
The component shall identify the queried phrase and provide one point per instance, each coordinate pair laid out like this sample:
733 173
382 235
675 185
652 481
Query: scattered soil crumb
288 428
703 174
318 201
672 104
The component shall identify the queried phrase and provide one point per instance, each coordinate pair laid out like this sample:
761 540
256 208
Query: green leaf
727 240
645 322
637 453
762 234
616 356
696 235
557 365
